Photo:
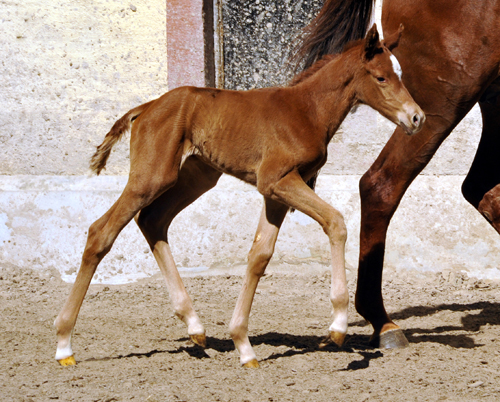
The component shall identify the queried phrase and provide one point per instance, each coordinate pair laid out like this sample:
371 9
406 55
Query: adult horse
450 56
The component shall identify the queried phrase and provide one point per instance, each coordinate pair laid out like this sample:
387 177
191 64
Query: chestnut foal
274 138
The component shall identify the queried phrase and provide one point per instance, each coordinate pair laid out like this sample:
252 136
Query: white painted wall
71 68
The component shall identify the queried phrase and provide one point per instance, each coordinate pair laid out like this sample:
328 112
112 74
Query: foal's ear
372 43
392 41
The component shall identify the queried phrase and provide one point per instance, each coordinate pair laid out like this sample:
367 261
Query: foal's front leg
261 252
293 191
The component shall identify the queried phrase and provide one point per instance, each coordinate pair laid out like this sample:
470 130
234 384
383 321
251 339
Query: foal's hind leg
161 152
101 237
195 178
261 252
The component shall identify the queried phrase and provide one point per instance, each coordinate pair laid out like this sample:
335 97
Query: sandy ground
129 346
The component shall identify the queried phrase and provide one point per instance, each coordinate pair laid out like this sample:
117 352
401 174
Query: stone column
190 43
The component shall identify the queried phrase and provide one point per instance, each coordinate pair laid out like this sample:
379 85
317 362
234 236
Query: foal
275 139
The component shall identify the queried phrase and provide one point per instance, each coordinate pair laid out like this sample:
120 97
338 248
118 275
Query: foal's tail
121 126
338 22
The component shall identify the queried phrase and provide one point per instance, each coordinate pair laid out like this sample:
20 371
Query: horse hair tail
121 126
338 22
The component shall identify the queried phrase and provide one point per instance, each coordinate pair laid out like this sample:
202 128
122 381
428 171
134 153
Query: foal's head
379 83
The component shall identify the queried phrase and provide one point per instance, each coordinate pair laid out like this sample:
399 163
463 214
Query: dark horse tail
338 22
121 126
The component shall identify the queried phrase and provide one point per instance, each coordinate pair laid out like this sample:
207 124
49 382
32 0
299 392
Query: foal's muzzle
412 120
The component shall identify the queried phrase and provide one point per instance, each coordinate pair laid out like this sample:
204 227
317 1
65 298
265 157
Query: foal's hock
274 138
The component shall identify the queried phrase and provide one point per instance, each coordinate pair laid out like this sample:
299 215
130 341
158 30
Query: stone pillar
190 43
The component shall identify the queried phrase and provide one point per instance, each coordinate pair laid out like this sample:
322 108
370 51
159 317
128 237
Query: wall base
44 222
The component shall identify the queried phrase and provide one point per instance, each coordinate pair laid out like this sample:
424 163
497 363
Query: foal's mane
337 23
312 70
308 72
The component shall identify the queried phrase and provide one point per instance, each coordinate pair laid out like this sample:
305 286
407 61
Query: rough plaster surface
71 69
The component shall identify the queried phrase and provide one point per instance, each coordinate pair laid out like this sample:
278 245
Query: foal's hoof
200 340
333 337
252 364
68 361
392 339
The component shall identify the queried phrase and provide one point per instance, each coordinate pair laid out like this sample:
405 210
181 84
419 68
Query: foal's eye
380 79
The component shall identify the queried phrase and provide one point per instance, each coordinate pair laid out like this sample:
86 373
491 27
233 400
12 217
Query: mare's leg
481 186
381 190
446 91
195 178
261 252
146 152
293 191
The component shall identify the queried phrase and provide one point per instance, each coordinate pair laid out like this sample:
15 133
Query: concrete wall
70 69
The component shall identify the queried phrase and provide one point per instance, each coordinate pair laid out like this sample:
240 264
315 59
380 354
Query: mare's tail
338 22
121 126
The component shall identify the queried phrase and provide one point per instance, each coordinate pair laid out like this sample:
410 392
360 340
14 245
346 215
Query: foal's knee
336 228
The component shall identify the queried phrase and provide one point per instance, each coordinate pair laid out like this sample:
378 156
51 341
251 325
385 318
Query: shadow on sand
355 343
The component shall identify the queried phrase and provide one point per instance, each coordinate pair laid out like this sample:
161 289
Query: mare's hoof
252 364
392 339
68 361
200 340
333 337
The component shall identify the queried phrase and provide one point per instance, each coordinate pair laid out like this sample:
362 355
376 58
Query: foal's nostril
416 120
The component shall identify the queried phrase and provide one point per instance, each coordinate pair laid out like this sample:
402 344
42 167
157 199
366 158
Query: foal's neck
330 91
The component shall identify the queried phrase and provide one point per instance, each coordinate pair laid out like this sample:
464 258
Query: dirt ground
129 346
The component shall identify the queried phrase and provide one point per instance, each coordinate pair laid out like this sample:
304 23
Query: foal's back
235 131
